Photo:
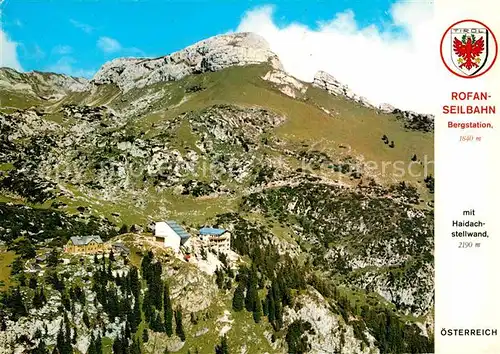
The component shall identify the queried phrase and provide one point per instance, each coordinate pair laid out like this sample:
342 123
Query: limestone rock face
386 108
416 121
43 84
408 115
328 328
327 82
411 115
413 120
287 84
191 289
212 54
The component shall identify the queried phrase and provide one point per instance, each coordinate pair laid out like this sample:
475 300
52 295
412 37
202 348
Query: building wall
173 241
220 243
92 247
187 243
162 229
170 237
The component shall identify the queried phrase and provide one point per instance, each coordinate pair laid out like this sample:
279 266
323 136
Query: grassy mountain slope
308 176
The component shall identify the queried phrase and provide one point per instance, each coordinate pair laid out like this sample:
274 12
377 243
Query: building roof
84 240
211 231
121 246
179 230
36 267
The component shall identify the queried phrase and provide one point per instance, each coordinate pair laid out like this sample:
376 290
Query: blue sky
77 37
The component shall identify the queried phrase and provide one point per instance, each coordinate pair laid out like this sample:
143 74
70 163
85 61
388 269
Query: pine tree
128 333
16 303
98 344
257 312
67 336
66 301
135 348
91 349
287 296
265 311
279 315
86 319
22 279
109 273
104 277
251 291
118 346
53 258
136 315
271 307
41 348
276 291
123 229
239 298
146 266
179 329
167 310
17 266
33 283
219 278
60 340
156 323
156 286
39 298
146 307
134 282
222 348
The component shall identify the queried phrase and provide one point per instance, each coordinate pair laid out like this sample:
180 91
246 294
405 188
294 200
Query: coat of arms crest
472 48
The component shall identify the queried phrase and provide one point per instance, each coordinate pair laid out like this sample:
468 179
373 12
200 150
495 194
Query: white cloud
135 52
8 52
38 53
62 50
83 26
109 45
65 65
384 66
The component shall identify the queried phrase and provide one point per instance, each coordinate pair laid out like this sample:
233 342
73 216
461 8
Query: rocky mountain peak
328 82
40 83
212 54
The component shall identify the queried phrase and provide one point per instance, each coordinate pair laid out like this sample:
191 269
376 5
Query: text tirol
469 108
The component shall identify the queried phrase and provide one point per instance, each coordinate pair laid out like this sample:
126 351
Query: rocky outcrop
329 332
212 54
41 84
386 108
416 121
412 120
287 84
327 82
